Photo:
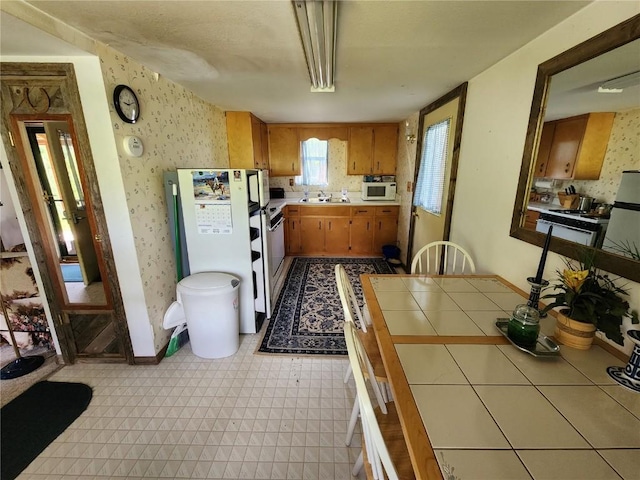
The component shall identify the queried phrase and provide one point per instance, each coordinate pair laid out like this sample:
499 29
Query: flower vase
574 334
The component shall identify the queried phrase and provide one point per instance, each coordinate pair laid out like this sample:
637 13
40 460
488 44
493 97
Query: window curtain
314 163
430 183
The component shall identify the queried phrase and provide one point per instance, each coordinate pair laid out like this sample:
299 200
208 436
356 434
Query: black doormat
31 421
308 317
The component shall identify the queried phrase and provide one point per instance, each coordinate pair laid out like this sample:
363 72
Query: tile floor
244 417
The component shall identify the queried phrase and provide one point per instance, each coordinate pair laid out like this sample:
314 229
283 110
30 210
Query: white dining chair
380 382
383 442
455 259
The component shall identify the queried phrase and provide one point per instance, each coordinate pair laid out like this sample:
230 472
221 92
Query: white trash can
210 303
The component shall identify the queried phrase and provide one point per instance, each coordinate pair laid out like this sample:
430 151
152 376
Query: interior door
433 223
66 170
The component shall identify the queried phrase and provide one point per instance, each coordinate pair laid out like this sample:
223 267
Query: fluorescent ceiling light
618 84
317 21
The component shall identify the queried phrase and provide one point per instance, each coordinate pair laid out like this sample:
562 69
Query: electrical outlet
409 187
291 182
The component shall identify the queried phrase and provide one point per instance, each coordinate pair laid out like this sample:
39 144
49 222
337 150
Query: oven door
572 234
276 248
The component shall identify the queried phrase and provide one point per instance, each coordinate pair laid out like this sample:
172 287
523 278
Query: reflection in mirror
581 164
66 220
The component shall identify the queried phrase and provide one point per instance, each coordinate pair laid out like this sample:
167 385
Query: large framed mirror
581 161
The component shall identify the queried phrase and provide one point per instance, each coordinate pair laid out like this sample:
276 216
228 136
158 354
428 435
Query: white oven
276 244
574 226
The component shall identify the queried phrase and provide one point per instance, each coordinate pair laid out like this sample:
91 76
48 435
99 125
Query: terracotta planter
574 334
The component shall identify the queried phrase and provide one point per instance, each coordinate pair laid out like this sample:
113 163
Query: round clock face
126 103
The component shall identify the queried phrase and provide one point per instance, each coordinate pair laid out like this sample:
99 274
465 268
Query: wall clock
133 146
126 104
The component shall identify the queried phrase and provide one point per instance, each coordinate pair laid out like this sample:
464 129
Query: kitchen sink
316 200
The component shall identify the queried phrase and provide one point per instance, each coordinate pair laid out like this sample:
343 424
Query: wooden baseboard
152 360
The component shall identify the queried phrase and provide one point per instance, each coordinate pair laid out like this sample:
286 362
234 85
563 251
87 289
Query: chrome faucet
321 194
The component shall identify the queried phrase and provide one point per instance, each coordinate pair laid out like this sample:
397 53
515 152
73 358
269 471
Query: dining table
474 406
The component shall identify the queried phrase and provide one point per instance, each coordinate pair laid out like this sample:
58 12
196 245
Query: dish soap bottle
524 326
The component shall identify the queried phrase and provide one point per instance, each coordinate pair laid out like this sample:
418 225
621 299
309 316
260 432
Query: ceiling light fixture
317 20
618 84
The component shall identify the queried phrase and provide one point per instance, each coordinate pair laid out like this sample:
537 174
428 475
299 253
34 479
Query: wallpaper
623 153
337 173
405 172
178 130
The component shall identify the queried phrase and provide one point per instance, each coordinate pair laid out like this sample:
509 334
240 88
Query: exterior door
60 144
436 170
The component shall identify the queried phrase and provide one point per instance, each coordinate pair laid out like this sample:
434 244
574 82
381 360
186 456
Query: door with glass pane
434 188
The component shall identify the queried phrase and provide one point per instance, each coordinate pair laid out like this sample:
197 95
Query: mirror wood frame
619 35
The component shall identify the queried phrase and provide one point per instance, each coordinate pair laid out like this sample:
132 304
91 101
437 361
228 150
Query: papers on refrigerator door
212 197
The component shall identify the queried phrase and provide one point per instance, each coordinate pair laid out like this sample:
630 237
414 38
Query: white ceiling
393 57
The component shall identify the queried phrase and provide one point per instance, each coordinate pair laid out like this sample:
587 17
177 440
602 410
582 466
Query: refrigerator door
629 189
623 232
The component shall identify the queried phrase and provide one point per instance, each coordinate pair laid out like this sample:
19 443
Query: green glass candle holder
524 326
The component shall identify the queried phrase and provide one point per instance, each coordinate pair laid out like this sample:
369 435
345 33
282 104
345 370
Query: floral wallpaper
623 153
338 178
405 172
178 130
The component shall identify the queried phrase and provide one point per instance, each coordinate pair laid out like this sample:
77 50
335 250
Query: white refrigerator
223 216
623 231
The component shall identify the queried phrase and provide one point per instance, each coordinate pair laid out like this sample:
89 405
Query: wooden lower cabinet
340 230
531 219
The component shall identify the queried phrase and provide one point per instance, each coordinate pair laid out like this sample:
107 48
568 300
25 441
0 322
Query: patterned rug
308 318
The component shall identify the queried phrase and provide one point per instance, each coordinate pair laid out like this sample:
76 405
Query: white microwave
379 191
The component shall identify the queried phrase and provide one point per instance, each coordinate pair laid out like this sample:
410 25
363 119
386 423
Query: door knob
98 237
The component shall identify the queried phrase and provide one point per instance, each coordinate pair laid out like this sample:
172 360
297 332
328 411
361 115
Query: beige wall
495 125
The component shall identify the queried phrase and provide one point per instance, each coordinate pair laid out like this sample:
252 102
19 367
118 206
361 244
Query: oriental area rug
308 318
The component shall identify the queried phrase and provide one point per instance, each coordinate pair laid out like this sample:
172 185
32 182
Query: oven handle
277 225
547 222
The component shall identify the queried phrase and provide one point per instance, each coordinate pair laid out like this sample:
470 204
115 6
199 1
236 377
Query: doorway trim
461 93
50 89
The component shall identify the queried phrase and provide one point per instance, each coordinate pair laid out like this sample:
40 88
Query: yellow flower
575 278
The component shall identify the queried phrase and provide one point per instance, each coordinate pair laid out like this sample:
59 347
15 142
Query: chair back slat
377 451
448 258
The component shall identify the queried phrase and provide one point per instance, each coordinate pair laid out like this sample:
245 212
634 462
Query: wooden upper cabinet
360 151
245 140
385 149
372 150
284 151
577 148
544 148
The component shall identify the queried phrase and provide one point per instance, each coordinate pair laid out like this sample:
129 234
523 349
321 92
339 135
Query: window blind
430 183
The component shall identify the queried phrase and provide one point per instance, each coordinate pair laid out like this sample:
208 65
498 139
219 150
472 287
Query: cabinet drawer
387 211
324 211
292 211
362 211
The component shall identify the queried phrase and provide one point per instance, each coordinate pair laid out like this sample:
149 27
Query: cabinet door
240 140
385 149
531 219
362 235
264 143
284 151
257 142
385 233
544 148
564 150
359 151
336 239
312 235
292 236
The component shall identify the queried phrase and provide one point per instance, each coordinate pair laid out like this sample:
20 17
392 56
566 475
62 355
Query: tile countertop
294 199
491 411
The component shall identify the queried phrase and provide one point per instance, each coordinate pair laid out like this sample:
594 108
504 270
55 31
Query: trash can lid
208 283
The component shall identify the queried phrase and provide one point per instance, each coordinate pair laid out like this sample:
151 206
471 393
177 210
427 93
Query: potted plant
590 300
